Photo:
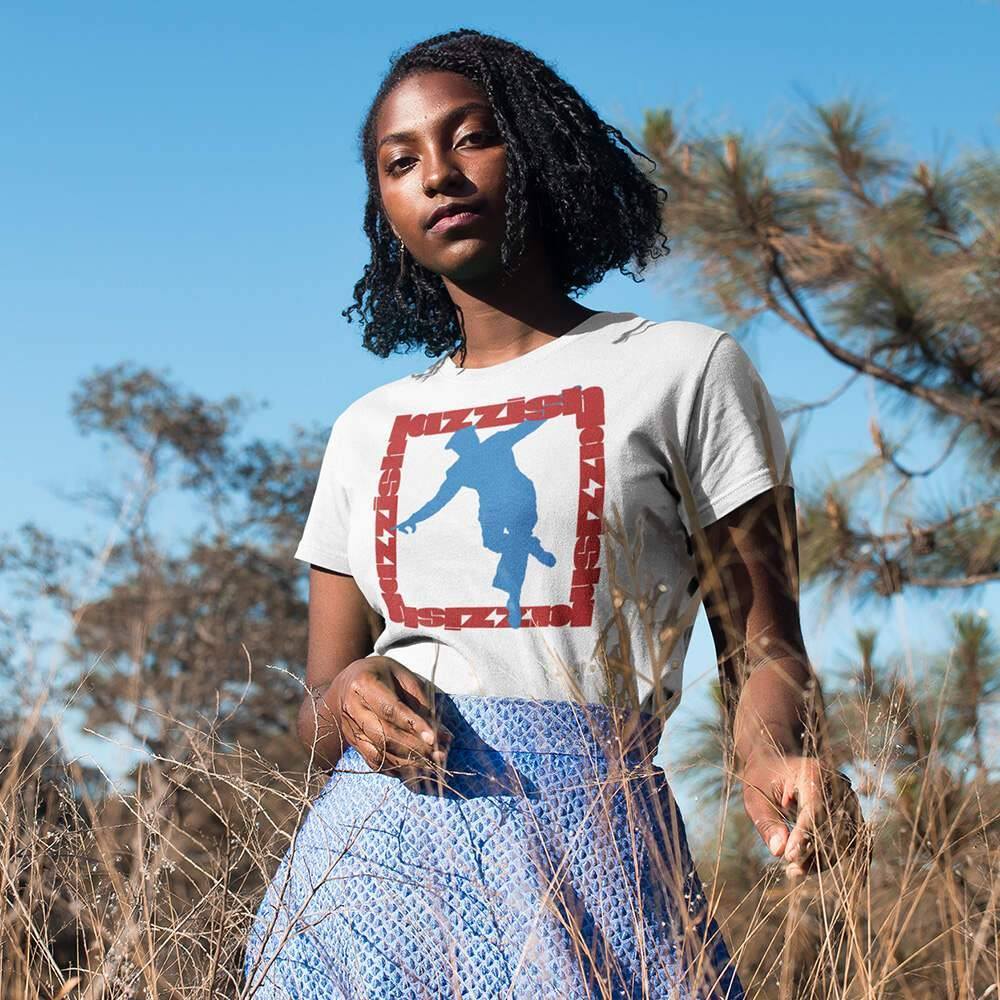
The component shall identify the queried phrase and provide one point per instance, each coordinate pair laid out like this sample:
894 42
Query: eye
481 133
390 167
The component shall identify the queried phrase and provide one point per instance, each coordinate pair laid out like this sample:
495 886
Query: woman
531 516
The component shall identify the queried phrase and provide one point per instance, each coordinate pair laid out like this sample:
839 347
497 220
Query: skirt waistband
530 725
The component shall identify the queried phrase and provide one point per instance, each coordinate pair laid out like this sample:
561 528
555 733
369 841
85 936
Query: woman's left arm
748 565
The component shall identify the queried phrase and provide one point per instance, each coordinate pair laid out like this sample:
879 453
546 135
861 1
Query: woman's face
436 142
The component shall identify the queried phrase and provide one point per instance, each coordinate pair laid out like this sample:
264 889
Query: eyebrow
457 112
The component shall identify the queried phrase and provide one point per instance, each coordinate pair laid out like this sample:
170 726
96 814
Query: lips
447 222
451 209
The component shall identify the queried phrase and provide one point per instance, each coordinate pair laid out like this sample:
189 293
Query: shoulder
692 340
678 348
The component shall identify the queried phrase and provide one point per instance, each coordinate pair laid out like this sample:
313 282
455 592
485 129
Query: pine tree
892 270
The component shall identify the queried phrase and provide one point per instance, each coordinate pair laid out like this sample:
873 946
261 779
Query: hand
384 710
827 814
407 527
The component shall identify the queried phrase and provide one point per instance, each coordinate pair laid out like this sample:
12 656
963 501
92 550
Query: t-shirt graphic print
524 529
483 441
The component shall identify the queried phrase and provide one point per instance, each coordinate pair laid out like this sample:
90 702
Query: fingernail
774 843
428 736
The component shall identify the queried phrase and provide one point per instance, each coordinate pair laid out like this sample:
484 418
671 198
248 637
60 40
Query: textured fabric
521 528
545 865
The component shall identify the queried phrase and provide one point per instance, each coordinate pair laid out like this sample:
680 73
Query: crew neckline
529 357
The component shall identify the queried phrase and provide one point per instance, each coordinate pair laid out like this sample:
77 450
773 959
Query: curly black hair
595 210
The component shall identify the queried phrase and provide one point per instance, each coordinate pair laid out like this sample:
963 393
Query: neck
505 319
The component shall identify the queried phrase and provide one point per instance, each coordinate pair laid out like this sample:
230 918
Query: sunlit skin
748 565
454 152
437 141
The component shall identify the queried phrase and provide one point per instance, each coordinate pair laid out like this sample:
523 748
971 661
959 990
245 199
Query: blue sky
181 189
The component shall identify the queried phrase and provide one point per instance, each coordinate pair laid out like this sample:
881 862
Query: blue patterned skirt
543 864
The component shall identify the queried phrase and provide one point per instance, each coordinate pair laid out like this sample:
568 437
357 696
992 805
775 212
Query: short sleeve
325 535
734 443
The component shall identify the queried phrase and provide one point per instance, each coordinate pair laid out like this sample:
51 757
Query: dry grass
150 893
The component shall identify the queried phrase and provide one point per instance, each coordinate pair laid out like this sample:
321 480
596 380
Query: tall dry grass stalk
150 892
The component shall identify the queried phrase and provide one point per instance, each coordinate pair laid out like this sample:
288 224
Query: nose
441 173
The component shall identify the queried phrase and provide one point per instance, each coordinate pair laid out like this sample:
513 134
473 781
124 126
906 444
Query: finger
363 740
417 697
426 780
402 726
368 733
398 747
416 779
830 824
386 760
801 846
760 804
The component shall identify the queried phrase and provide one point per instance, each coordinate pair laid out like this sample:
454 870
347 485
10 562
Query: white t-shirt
521 528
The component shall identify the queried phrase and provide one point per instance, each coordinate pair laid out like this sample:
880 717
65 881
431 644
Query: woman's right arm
339 634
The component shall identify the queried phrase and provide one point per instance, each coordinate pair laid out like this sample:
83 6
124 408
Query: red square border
586 407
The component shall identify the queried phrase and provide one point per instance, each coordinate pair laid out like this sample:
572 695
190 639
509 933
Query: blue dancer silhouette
507 504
